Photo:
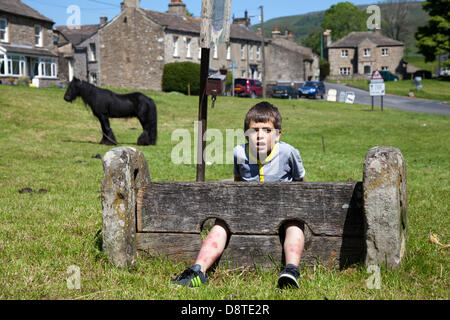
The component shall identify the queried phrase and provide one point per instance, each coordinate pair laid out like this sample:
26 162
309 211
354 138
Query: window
4 30
345 71
188 47
228 52
384 52
47 67
258 53
366 69
92 53
215 55
16 65
175 46
243 74
38 35
242 51
385 68
251 53
366 52
3 70
344 53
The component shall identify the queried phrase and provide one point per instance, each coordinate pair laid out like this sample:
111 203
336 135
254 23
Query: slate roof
19 8
77 35
353 40
190 24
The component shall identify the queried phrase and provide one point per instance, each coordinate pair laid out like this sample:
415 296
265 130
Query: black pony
106 104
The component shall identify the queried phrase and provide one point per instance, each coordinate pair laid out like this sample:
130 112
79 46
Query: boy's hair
263 112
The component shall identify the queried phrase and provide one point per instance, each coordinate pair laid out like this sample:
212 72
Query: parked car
284 92
388 76
244 87
312 89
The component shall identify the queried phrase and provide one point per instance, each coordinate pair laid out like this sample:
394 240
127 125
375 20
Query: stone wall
131 55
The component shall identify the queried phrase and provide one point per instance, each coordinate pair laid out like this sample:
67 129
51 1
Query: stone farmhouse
26 45
358 54
132 48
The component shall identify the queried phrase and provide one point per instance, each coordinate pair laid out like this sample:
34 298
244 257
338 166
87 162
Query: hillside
301 25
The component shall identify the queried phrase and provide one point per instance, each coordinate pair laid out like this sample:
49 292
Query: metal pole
263 73
372 102
202 113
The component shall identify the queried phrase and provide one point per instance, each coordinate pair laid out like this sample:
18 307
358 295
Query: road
394 102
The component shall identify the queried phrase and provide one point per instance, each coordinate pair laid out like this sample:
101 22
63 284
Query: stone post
125 171
385 206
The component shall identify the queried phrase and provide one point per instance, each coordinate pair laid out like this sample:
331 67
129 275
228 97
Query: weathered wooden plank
331 209
263 250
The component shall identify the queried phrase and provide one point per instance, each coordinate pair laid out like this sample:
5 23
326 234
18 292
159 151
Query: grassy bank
49 144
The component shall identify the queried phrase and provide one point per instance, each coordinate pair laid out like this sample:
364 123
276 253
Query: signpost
377 87
215 29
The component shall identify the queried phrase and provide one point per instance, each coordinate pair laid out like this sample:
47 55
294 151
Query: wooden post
125 170
385 206
202 114
263 71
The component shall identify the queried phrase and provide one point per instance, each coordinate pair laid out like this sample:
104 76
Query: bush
178 75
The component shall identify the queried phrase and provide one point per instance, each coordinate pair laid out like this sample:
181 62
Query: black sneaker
288 277
191 277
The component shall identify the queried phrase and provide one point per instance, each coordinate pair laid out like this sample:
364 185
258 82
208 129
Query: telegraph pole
263 73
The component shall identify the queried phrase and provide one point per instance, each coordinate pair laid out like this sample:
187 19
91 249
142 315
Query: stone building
136 44
289 62
78 51
131 50
26 45
358 54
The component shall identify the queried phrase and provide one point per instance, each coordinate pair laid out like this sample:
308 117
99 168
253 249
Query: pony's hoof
108 142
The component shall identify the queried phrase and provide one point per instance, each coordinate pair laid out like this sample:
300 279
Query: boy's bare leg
293 243
213 246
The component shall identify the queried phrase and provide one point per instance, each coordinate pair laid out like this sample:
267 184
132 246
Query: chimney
130 4
103 20
378 30
327 38
177 7
276 33
245 21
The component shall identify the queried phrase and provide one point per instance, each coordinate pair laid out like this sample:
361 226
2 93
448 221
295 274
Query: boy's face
262 136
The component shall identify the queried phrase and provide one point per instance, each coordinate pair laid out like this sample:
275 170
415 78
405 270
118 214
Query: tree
433 39
342 19
396 18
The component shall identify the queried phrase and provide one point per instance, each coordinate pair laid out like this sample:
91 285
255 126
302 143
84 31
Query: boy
264 158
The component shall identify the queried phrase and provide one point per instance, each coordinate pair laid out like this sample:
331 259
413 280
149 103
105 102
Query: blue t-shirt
282 164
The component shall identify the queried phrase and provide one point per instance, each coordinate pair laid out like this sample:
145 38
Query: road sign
215 26
377 86
377 89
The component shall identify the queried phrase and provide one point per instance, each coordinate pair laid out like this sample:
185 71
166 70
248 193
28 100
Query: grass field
432 89
49 144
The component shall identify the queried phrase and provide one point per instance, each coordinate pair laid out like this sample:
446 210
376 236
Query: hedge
177 76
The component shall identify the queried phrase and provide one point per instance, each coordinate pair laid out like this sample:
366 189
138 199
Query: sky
91 10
